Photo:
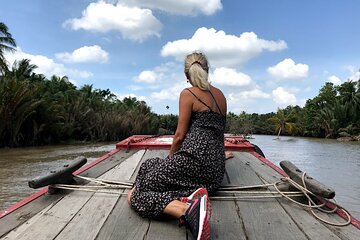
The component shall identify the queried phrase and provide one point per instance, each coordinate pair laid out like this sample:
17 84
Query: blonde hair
196 69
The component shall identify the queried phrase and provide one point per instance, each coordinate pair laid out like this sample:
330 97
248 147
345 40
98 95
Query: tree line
334 112
35 110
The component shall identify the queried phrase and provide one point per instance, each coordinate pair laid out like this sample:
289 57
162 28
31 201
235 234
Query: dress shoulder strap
217 105
199 99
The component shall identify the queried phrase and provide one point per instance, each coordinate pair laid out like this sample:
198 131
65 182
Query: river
334 163
19 165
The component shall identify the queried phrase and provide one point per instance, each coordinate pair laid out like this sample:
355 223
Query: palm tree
7 43
22 70
17 106
283 122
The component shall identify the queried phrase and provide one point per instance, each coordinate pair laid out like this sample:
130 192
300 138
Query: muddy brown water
19 165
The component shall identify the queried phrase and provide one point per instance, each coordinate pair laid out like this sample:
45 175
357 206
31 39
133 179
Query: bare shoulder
185 92
185 95
217 91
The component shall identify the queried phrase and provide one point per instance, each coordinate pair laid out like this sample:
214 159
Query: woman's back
212 100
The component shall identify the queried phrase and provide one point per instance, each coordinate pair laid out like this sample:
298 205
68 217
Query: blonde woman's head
196 69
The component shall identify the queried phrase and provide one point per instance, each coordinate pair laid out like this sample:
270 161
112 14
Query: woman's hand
228 155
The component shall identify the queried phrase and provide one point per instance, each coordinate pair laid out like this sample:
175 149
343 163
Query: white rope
103 181
61 186
249 197
244 187
312 205
235 191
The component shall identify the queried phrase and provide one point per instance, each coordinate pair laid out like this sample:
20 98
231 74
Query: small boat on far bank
236 215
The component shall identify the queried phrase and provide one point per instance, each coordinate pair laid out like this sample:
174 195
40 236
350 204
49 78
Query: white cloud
122 96
334 79
47 66
170 93
255 93
354 73
85 54
164 73
223 50
235 103
183 7
146 76
287 69
283 97
132 22
253 100
350 68
230 77
355 77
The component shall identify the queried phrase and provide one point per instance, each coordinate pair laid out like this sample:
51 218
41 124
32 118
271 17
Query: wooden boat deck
89 215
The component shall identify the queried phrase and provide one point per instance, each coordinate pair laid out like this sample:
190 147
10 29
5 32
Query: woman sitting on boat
178 185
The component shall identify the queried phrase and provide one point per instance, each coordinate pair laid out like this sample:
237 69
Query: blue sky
264 54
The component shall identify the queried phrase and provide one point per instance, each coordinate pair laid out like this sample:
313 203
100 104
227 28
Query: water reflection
20 165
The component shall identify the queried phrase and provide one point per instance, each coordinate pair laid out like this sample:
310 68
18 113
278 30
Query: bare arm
185 109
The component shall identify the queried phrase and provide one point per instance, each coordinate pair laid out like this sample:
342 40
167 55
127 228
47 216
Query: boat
248 136
245 207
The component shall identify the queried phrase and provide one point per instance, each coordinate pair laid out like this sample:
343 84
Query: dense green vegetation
35 110
335 110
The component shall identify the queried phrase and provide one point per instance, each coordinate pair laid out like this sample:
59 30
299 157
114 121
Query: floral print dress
200 162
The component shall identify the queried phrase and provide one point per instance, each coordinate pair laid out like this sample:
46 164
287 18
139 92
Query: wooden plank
89 220
52 221
123 222
27 226
166 230
304 220
225 221
57 217
26 212
108 164
264 218
349 232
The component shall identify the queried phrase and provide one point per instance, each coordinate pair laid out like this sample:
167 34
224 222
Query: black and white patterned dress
200 162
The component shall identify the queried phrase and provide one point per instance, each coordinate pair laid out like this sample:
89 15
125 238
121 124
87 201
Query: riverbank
348 138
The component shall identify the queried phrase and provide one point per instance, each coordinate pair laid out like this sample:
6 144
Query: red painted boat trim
23 202
270 164
45 189
354 221
235 143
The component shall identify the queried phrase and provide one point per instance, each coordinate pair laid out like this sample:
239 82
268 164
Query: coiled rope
237 193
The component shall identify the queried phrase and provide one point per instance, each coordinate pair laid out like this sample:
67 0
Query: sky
263 54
